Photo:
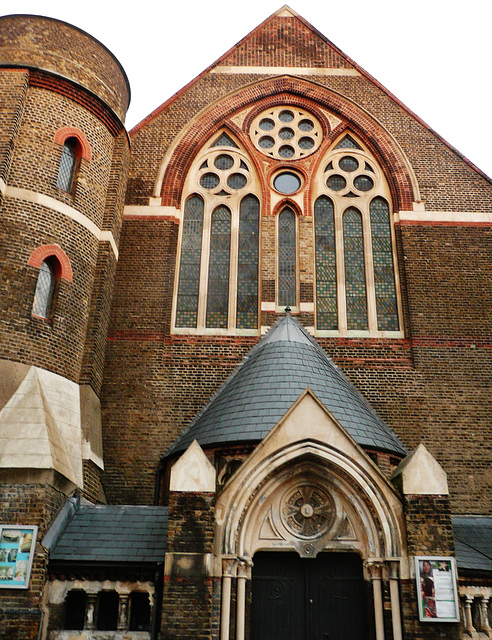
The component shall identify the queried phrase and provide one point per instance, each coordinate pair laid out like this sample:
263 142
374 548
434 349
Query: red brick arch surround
295 92
71 132
39 255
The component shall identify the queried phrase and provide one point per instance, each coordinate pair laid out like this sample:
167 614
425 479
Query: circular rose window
308 511
286 133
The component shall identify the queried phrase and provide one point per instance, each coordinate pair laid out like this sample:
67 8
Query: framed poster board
17 544
437 589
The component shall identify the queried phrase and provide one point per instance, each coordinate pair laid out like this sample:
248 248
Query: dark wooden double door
295 598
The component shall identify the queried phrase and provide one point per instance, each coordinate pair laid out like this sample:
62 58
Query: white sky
434 55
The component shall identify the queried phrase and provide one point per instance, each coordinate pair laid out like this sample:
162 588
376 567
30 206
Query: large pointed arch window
217 274
356 276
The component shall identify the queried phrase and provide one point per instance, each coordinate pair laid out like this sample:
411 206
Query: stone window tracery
355 275
356 278
217 287
286 133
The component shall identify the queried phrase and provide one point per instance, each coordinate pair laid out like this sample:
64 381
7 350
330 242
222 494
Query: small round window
287 182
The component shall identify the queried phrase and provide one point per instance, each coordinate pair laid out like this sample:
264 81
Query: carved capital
375 568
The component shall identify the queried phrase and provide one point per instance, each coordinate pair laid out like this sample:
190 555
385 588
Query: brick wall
190 607
20 609
61 48
429 532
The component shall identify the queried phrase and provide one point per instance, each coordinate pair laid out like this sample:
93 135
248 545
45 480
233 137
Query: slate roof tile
108 533
473 542
285 362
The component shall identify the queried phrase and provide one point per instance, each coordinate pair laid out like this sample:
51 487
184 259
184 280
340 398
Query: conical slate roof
266 384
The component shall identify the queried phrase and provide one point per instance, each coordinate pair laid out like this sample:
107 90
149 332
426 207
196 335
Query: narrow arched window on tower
68 162
46 287
287 279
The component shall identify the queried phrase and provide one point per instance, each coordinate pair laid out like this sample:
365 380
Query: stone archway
320 506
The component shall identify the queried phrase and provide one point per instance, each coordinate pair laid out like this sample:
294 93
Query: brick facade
21 611
116 232
189 587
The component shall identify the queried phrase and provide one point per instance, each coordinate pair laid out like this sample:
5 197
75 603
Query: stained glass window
45 289
326 267
189 272
224 162
224 141
347 163
348 143
66 169
287 259
218 285
237 181
286 134
287 182
247 275
384 274
218 270
355 272
354 245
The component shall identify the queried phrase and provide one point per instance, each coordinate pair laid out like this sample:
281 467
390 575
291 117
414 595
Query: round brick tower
63 162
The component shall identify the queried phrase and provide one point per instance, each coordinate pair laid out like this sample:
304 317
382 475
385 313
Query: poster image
17 544
437 589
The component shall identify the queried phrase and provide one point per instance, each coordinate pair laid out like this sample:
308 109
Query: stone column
484 615
123 612
228 565
375 570
90 612
243 573
393 569
467 604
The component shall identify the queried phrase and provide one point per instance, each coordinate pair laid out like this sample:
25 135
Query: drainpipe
41 620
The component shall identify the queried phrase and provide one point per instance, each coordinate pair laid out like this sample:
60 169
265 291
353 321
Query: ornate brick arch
83 150
39 255
296 92
287 203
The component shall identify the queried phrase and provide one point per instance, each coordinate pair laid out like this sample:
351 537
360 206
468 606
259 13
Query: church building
245 352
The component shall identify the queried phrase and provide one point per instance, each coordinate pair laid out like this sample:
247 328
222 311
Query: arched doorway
327 514
296 598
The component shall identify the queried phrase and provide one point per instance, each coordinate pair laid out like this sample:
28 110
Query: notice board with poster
437 588
17 544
